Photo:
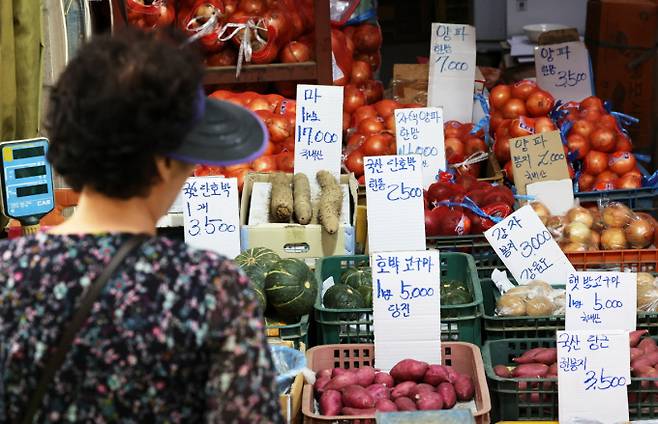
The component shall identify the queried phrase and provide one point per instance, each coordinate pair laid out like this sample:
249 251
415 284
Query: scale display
27 182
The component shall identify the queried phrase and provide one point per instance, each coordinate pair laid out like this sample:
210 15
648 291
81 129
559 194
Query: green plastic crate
295 332
475 245
531 399
340 326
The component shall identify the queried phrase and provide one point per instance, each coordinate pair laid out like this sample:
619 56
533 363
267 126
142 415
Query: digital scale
27 182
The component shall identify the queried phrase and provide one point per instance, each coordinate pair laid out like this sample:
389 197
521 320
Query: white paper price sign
593 372
394 192
210 214
451 77
419 131
601 300
318 135
528 250
406 307
564 70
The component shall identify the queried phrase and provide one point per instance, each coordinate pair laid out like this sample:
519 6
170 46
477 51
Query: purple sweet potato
403 389
452 374
648 345
635 336
547 356
465 388
324 373
530 371
636 353
331 403
409 370
385 405
320 384
435 375
652 357
385 379
355 396
341 381
552 371
358 412
379 391
366 376
528 356
448 394
341 371
502 371
641 362
405 404
420 388
429 401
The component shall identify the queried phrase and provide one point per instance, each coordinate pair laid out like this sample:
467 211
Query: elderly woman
100 320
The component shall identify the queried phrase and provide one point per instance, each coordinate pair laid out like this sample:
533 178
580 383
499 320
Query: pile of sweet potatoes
411 385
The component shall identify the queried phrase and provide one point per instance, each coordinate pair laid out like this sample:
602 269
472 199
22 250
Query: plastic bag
536 298
288 363
341 10
647 292
624 229
159 14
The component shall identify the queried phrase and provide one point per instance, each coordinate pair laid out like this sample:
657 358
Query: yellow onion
639 233
617 215
595 242
578 232
597 217
542 211
613 239
580 214
572 247
555 225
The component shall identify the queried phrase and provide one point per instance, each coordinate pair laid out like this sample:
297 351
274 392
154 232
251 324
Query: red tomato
523 89
539 103
500 94
264 164
354 163
285 161
375 145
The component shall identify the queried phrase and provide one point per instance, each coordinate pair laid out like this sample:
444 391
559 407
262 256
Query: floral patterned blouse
175 337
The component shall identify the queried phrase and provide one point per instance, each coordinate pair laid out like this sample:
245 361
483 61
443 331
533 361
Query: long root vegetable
302 198
281 202
331 202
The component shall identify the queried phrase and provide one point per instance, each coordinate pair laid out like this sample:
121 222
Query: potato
635 336
644 279
420 388
320 384
532 370
539 306
331 403
341 381
648 345
357 412
379 391
647 298
465 388
528 356
502 371
409 370
385 379
539 288
385 405
548 356
405 404
521 291
448 394
356 396
403 389
324 373
366 376
435 375
511 306
429 401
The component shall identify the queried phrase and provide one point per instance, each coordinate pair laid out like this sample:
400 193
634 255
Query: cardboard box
409 82
291 404
621 38
295 240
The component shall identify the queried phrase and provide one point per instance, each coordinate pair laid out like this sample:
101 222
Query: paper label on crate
326 285
593 374
536 158
528 250
564 70
210 214
601 301
406 307
557 196
319 131
501 281
419 131
451 77
394 193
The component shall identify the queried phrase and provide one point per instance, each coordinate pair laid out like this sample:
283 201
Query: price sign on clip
593 372
210 214
527 248
394 192
564 70
419 131
601 300
406 307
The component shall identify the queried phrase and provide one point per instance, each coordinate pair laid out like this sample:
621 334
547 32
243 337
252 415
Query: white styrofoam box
525 12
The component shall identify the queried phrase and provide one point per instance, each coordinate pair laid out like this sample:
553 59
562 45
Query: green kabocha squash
256 274
257 256
291 288
342 296
359 279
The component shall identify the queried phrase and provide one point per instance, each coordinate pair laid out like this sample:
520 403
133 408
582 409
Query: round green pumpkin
360 279
342 296
291 288
257 256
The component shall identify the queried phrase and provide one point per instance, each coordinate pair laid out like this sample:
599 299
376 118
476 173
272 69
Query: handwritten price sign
527 248
210 214
564 70
601 300
406 306
593 372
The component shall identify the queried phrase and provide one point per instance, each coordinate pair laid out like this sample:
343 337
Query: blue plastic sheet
288 363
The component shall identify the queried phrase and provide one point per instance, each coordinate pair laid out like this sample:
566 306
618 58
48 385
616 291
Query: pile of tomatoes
602 150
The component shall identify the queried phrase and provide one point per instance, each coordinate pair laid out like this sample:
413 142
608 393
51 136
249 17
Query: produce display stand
464 357
538 398
476 245
640 260
458 322
318 71
636 199
297 332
